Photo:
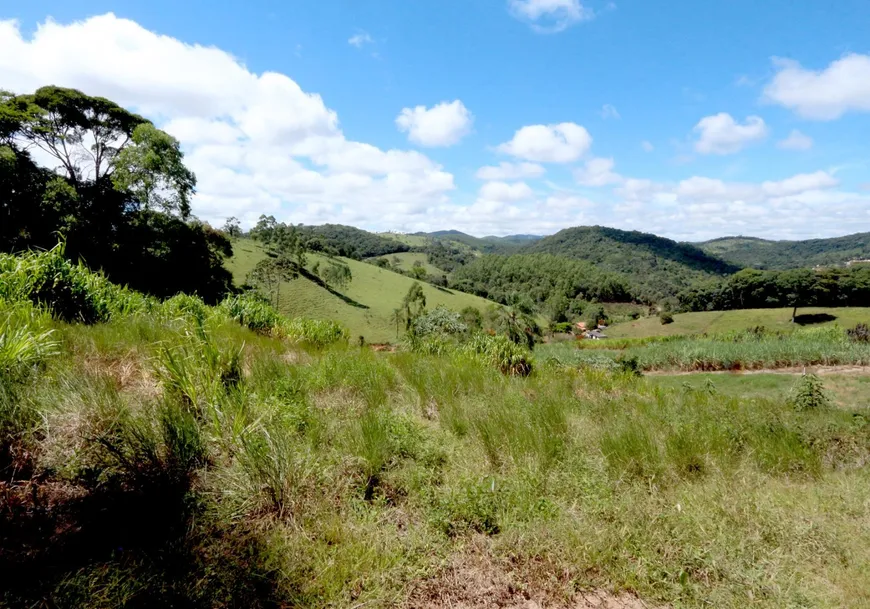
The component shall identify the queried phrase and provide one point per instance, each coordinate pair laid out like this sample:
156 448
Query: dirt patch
382 347
819 370
476 580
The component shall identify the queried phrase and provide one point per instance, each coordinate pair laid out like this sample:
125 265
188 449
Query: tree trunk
794 314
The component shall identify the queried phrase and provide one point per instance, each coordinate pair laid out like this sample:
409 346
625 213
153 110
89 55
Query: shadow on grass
312 277
809 319
445 290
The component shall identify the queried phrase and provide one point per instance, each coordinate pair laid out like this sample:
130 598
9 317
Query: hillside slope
780 255
364 306
660 267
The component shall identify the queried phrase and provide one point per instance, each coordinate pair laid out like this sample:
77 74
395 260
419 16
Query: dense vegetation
657 267
119 196
753 289
486 245
542 278
764 254
349 242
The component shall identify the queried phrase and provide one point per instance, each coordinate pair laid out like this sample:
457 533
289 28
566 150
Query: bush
502 352
71 292
251 311
666 318
810 394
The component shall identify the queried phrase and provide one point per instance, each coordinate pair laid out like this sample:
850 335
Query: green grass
725 321
371 296
850 391
259 472
407 260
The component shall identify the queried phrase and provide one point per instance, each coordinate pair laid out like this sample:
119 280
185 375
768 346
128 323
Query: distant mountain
764 254
660 267
487 245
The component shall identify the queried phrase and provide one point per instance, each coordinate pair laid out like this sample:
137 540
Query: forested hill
780 255
659 267
486 245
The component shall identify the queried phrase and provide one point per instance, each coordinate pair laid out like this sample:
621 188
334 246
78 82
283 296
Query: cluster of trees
542 278
417 271
752 289
447 256
118 194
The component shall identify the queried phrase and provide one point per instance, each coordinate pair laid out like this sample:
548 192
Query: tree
153 171
337 275
418 272
268 274
233 227
397 317
414 303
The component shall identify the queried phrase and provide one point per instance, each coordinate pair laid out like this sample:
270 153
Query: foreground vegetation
177 454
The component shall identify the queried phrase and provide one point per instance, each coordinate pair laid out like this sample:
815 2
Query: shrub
666 318
503 353
69 291
251 311
810 394
439 320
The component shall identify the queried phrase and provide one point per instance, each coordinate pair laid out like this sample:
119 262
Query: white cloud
800 183
796 141
827 94
721 134
609 111
503 191
560 143
360 40
257 142
597 172
444 124
647 146
510 171
549 16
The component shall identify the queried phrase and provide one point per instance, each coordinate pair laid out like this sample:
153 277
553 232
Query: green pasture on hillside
364 306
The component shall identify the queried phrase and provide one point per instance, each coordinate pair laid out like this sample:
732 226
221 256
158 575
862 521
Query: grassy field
850 391
169 455
726 321
407 260
364 306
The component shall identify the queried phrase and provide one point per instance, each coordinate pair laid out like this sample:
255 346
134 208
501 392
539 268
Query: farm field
715 322
364 306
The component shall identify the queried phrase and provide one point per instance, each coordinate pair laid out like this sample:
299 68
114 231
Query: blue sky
687 119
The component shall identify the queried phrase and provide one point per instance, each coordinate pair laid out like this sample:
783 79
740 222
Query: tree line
754 289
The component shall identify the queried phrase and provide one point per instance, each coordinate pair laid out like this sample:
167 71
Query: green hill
486 245
364 306
779 255
406 262
660 267
352 242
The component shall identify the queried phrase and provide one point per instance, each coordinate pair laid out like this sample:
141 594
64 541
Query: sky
691 120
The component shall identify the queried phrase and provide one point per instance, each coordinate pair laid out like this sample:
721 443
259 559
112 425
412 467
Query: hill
364 306
486 245
780 255
660 267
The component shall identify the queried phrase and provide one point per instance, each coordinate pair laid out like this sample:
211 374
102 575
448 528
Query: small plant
630 365
666 318
810 394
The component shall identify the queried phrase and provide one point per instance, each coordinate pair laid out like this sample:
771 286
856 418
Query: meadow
714 322
175 454
364 306
406 262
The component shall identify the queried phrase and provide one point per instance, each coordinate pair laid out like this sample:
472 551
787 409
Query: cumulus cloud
549 16
597 172
503 191
843 86
796 141
561 143
510 171
721 134
257 142
444 124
